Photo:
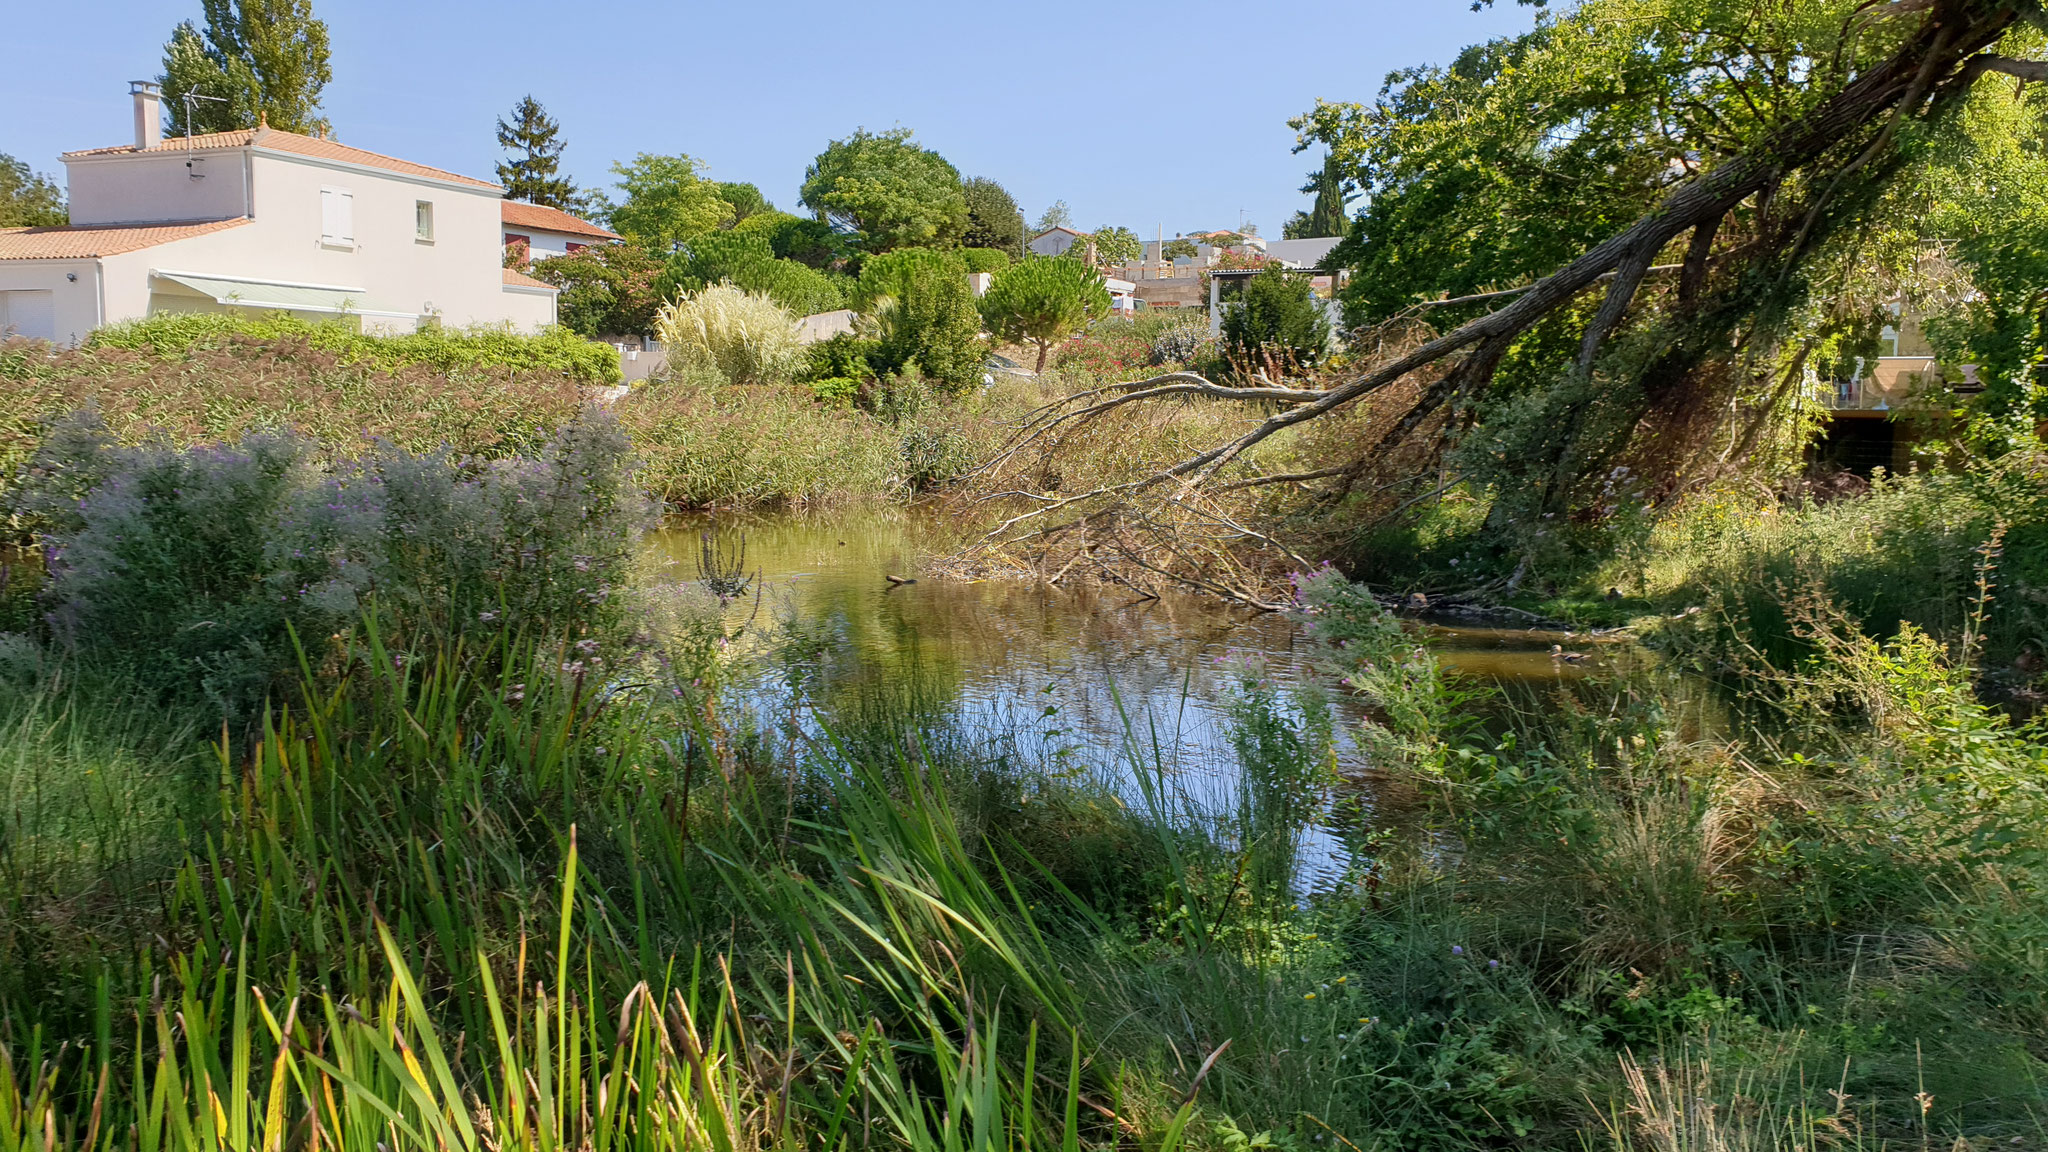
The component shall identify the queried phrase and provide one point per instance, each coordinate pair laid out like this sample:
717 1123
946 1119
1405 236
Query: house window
423 221
518 247
337 218
570 247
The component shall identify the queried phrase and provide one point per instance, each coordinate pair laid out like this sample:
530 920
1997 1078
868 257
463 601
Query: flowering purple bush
196 567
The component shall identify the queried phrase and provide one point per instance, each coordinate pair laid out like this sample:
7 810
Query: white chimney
149 113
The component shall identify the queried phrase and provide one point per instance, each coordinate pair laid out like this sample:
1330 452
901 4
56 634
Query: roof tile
86 241
519 214
274 140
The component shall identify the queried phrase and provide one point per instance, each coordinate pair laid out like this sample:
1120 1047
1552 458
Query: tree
1327 215
260 61
798 238
746 200
1044 302
28 199
1275 327
746 260
891 192
607 289
532 172
1112 246
666 202
1648 206
993 218
1178 247
1056 216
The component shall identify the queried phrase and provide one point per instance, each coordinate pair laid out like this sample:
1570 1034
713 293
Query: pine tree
258 61
533 171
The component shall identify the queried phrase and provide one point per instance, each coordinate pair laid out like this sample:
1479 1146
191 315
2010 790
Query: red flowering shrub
1113 348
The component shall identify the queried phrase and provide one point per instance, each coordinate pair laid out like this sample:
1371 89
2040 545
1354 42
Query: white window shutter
337 217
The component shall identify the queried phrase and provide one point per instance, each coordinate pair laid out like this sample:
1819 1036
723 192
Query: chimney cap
144 88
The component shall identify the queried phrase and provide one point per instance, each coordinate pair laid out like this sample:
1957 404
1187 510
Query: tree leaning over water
1714 170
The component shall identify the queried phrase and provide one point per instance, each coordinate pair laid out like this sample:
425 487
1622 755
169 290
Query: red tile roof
519 214
514 278
273 140
86 241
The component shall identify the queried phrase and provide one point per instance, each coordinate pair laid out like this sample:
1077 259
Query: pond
1087 679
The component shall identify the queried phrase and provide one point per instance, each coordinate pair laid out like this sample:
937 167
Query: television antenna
189 99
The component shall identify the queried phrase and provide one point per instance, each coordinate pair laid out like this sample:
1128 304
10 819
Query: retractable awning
282 297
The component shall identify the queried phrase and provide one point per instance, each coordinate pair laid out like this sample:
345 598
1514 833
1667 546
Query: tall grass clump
745 337
215 569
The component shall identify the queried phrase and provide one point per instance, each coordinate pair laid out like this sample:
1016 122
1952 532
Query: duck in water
1557 652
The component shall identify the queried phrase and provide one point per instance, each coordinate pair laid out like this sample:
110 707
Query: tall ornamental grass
745 337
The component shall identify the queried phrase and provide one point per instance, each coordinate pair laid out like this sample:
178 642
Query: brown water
1066 676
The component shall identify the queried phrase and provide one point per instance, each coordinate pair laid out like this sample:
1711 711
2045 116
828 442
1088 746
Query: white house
263 220
545 232
1054 241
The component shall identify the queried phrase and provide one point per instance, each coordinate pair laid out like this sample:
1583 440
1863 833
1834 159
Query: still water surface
1073 677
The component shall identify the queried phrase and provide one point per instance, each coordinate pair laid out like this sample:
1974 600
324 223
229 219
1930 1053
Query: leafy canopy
993 218
746 260
1111 244
28 199
258 61
607 289
891 192
667 201
921 311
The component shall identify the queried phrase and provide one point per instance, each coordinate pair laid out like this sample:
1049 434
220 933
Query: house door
30 314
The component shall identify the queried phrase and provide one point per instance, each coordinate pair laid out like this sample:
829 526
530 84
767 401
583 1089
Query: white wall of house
55 300
315 223
158 186
1053 243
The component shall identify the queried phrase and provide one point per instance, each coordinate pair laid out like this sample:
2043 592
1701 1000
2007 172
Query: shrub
918 302
480 349
1108 348
839 391
607 289
744 336
198 568
985 259
1276 326
747 261
843 355
1182 340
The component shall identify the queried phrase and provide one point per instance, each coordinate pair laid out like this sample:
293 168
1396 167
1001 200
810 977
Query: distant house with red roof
259 220
543 232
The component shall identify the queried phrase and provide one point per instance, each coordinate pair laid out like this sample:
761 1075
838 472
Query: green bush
985 259
1276 326
923 311
455 350
842 355
747 261
838 391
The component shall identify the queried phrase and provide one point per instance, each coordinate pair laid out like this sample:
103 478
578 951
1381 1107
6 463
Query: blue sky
1144 115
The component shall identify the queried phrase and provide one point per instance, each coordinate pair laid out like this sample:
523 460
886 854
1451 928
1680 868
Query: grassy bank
522 875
